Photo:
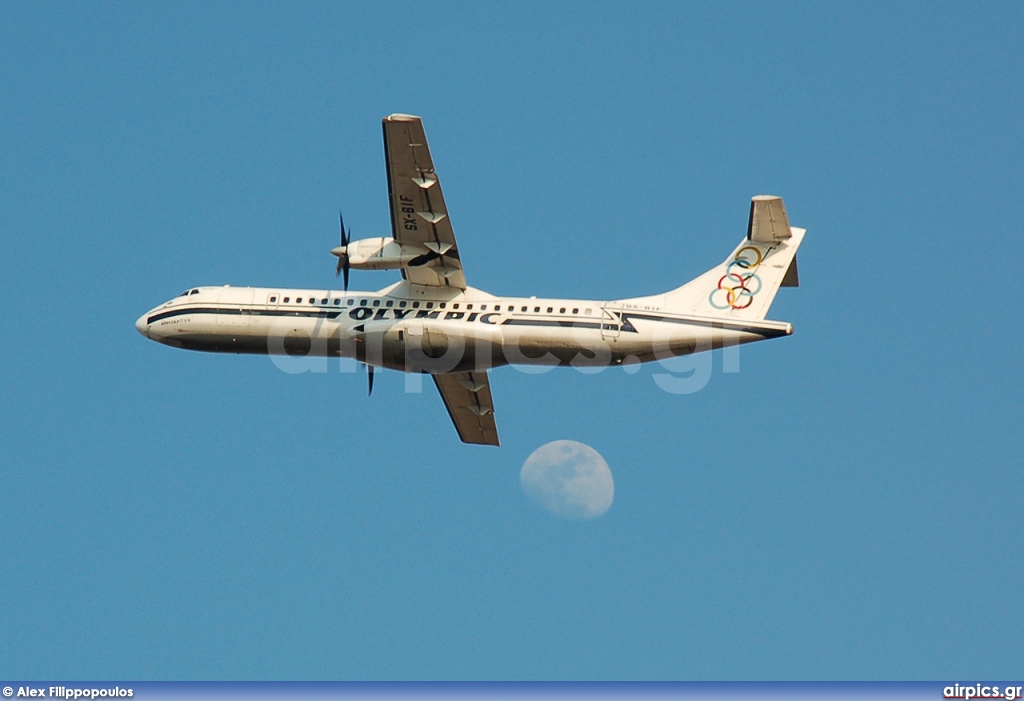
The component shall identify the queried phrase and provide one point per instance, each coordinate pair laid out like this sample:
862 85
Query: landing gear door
415 330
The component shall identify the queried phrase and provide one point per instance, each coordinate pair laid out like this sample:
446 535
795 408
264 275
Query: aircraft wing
418 211
467 396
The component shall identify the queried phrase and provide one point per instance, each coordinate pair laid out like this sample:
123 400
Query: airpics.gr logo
979 691
737 287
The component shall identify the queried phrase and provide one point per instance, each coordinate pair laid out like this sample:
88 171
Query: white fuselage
417 329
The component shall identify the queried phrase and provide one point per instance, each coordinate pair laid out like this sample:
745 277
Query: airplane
433 322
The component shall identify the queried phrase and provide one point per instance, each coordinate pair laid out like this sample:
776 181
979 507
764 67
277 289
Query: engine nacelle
383 254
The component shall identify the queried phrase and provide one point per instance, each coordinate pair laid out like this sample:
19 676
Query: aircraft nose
142 326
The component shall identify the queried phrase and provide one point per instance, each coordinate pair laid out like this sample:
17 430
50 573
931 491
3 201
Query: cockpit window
195 292
184 294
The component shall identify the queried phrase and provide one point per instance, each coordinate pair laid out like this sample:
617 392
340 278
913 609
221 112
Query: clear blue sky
850 505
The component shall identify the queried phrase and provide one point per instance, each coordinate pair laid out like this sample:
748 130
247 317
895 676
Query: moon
569 479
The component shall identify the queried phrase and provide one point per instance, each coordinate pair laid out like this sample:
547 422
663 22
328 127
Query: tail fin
744 286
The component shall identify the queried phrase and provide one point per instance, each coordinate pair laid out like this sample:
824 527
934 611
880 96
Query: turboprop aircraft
433 322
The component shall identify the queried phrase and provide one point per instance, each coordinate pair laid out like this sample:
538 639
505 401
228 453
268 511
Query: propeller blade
369 376
343 266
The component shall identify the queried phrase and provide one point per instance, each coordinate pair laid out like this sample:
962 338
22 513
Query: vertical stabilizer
744 286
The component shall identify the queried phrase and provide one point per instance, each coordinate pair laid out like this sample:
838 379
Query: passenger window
536 309
523 309
350 302
442 305
324 301
401 304
430 305
469 306
576 311
362 302
586 311
376 302
273 299
336 302
286 300
483 307
550 309
456 306
415 305
390 303
562 310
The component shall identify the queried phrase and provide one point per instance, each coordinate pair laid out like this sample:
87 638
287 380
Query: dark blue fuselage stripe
568 323
319 313
542 322
715 324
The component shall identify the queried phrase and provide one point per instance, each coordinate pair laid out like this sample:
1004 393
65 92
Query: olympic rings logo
736 289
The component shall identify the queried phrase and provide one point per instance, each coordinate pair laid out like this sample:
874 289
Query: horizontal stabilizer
768 221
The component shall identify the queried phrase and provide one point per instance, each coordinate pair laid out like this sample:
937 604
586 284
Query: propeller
342 251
